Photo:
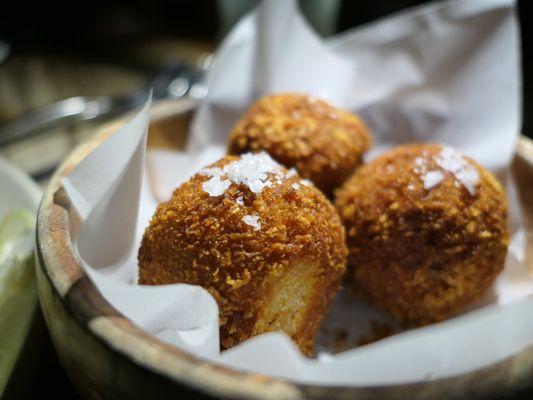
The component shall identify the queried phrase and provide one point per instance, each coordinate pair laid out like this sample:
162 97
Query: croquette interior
289 305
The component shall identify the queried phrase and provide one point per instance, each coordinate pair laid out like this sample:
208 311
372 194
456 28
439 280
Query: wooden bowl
107 356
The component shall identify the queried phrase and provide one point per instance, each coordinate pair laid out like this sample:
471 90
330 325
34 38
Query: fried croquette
265 243
426 231
323 143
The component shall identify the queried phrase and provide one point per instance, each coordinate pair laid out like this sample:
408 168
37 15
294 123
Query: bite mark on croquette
280 277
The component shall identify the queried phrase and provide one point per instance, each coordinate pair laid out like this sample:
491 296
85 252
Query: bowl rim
62 268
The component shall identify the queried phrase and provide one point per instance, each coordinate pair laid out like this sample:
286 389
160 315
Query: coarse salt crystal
469 178
420 165
215 186
432 179
251 170
419 162
256 171
253 221
292 172
452 161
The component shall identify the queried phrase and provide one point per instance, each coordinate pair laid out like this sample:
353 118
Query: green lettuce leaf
18 294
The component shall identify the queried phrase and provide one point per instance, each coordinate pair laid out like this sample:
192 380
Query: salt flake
253 221
252 170
215 186
432 179
452 161
469 178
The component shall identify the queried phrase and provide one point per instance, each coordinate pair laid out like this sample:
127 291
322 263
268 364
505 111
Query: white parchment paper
445 72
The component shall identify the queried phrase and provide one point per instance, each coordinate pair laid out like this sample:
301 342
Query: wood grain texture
107 356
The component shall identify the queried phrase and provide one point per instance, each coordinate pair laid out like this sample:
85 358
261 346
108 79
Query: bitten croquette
426 231
323 143
266 244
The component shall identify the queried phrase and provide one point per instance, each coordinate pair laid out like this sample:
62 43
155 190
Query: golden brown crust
421 254
200 239
323 143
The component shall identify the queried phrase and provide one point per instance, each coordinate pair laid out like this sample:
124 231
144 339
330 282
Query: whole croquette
426 231
323 143
266 244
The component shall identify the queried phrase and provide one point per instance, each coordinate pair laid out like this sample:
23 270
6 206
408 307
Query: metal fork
174 81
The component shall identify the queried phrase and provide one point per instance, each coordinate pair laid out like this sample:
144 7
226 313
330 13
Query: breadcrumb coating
323 143
273 260
426 231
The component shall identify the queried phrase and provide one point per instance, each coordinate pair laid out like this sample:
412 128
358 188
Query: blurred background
55 50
